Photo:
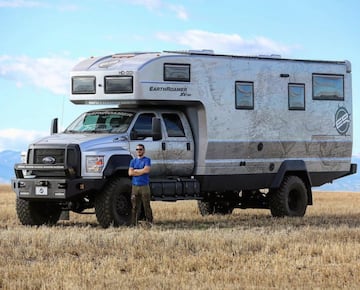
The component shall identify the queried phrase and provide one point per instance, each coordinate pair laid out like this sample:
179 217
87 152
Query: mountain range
7 160
349 183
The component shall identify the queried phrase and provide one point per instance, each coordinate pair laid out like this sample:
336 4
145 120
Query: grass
246 250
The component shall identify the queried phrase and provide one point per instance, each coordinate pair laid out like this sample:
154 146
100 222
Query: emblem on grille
48 160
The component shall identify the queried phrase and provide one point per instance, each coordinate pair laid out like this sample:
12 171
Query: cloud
180 11
159 5
225 43
17 139
51 73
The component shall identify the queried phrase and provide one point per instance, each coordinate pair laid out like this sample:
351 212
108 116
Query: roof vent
201 51
270 55
191 51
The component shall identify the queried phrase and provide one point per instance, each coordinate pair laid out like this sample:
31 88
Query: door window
174 127
143 126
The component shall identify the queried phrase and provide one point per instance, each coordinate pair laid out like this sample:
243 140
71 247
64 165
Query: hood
87 142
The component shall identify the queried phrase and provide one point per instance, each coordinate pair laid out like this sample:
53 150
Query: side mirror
156 129
54 126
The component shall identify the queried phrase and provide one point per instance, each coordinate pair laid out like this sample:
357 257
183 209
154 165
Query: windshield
101 122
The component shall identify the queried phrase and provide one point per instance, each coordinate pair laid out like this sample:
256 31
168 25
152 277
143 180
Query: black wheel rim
122 205
293 201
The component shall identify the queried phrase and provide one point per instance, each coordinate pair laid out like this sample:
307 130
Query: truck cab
98 147
125 129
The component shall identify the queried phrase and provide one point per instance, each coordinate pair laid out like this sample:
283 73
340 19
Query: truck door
178 146
141 133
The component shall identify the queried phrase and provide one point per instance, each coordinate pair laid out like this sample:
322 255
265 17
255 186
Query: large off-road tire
113 204
34 213
290 199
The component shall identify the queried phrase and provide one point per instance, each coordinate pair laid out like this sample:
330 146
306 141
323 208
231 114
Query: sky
41 40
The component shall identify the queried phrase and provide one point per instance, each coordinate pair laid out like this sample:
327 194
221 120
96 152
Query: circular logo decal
342 121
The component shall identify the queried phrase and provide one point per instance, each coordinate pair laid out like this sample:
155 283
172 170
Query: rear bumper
353 169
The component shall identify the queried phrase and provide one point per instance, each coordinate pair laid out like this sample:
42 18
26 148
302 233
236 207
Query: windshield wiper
71 131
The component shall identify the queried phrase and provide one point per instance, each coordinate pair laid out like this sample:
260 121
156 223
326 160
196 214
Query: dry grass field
246 250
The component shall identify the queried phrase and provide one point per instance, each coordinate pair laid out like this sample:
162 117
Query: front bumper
61 184
54 189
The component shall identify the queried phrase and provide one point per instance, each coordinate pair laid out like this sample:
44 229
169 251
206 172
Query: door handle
163 146
188 148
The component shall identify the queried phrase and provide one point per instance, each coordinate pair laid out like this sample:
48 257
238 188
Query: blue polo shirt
140 163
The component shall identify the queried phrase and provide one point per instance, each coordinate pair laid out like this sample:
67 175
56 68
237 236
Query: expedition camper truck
229 131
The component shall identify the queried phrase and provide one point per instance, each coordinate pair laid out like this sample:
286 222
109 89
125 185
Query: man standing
139 169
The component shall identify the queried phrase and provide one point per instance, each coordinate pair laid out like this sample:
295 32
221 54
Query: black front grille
57 154
69 156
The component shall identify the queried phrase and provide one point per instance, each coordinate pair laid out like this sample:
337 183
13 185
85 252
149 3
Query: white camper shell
247 113
219 128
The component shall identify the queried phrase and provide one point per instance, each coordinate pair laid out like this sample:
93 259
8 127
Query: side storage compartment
175 189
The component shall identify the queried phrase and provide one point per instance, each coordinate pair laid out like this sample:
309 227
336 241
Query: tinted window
118 85
328 87
143 126
244 95
174 127
177 72
106 121
83 85
296 97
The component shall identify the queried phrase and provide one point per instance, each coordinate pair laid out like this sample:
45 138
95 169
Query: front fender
117 163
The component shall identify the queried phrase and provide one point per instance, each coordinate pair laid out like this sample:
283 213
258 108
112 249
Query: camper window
177 72
328 87
244 95
118 84
296 96
83 85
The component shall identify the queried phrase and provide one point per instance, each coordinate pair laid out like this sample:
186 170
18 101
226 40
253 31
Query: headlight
94 164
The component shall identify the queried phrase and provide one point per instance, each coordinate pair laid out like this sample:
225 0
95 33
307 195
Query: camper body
229 131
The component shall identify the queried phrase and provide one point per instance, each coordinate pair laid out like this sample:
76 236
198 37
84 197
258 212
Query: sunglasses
139 149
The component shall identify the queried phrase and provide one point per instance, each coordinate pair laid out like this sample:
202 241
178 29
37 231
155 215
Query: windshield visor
101 122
